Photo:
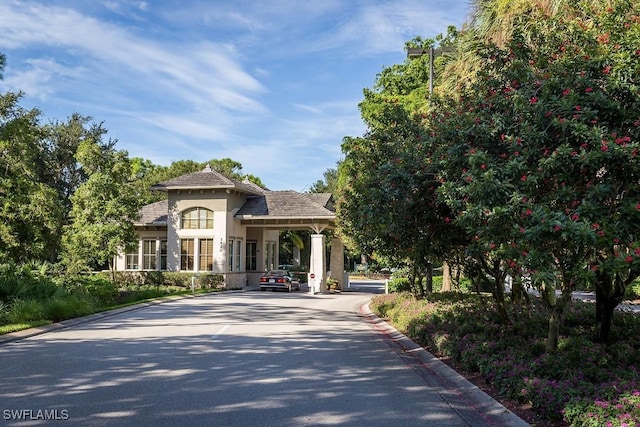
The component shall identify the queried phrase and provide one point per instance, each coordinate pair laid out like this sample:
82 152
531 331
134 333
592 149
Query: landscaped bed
583 383
31 297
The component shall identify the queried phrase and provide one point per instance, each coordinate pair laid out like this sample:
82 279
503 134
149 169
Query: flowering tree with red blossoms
539 156
387 198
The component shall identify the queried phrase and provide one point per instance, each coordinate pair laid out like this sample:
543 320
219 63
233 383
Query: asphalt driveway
250 359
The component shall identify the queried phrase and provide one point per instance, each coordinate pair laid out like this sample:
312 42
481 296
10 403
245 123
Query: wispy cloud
40 77
209 74
261 82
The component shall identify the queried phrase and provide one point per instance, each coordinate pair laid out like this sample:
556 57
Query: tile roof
255 186
155 213
207 178
288 204
260 203
271 204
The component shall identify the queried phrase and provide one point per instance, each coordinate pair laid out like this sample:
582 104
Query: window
270 256
149 255
187 255
234 253
197 218
251 262
133 259
163 254
237 260
206 255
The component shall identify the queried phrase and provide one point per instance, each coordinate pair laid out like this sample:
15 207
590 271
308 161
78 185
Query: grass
582 384
15 327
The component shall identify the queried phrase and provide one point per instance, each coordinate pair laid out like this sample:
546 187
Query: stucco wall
179 201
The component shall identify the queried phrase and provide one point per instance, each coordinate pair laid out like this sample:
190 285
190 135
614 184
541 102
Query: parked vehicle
279 279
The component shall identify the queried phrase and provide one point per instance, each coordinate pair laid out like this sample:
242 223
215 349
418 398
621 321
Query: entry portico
213 224
278 210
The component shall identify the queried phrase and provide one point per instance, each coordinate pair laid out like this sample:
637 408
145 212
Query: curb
472 404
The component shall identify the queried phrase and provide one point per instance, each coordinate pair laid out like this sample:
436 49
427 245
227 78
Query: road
245 358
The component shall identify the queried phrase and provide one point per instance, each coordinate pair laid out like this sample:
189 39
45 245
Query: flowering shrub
621 412
580 378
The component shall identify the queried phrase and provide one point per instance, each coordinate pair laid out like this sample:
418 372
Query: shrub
211 281
102 291
437 283
633 290
125 278
25 311
174 278
69 307
399 284
26 281
4 313
580 378
622 411
11 287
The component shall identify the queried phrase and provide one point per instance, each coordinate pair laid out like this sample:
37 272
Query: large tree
328 183
387 198
546 139
104 209
386 184
29 207
146 174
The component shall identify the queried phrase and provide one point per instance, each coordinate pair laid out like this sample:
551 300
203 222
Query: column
317 265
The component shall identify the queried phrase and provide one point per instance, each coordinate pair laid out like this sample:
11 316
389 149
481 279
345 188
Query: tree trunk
412 283
606 320
600 298
419 286
429 277
112 268
501 304
497 288
609 293
455 277
446 277
519 294
554 331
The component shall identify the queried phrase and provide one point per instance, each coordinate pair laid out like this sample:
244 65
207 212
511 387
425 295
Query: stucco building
213 224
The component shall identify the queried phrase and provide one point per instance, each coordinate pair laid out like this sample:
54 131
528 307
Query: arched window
197 218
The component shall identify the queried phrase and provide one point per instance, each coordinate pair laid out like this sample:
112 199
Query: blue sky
272 84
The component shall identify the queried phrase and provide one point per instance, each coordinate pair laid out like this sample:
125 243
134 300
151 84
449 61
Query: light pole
414 52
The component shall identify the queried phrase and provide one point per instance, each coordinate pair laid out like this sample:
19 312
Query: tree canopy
65 179
533 152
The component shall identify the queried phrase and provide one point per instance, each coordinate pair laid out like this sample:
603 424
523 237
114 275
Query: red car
279 279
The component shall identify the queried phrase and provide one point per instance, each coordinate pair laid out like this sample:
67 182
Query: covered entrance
212 224
318 273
